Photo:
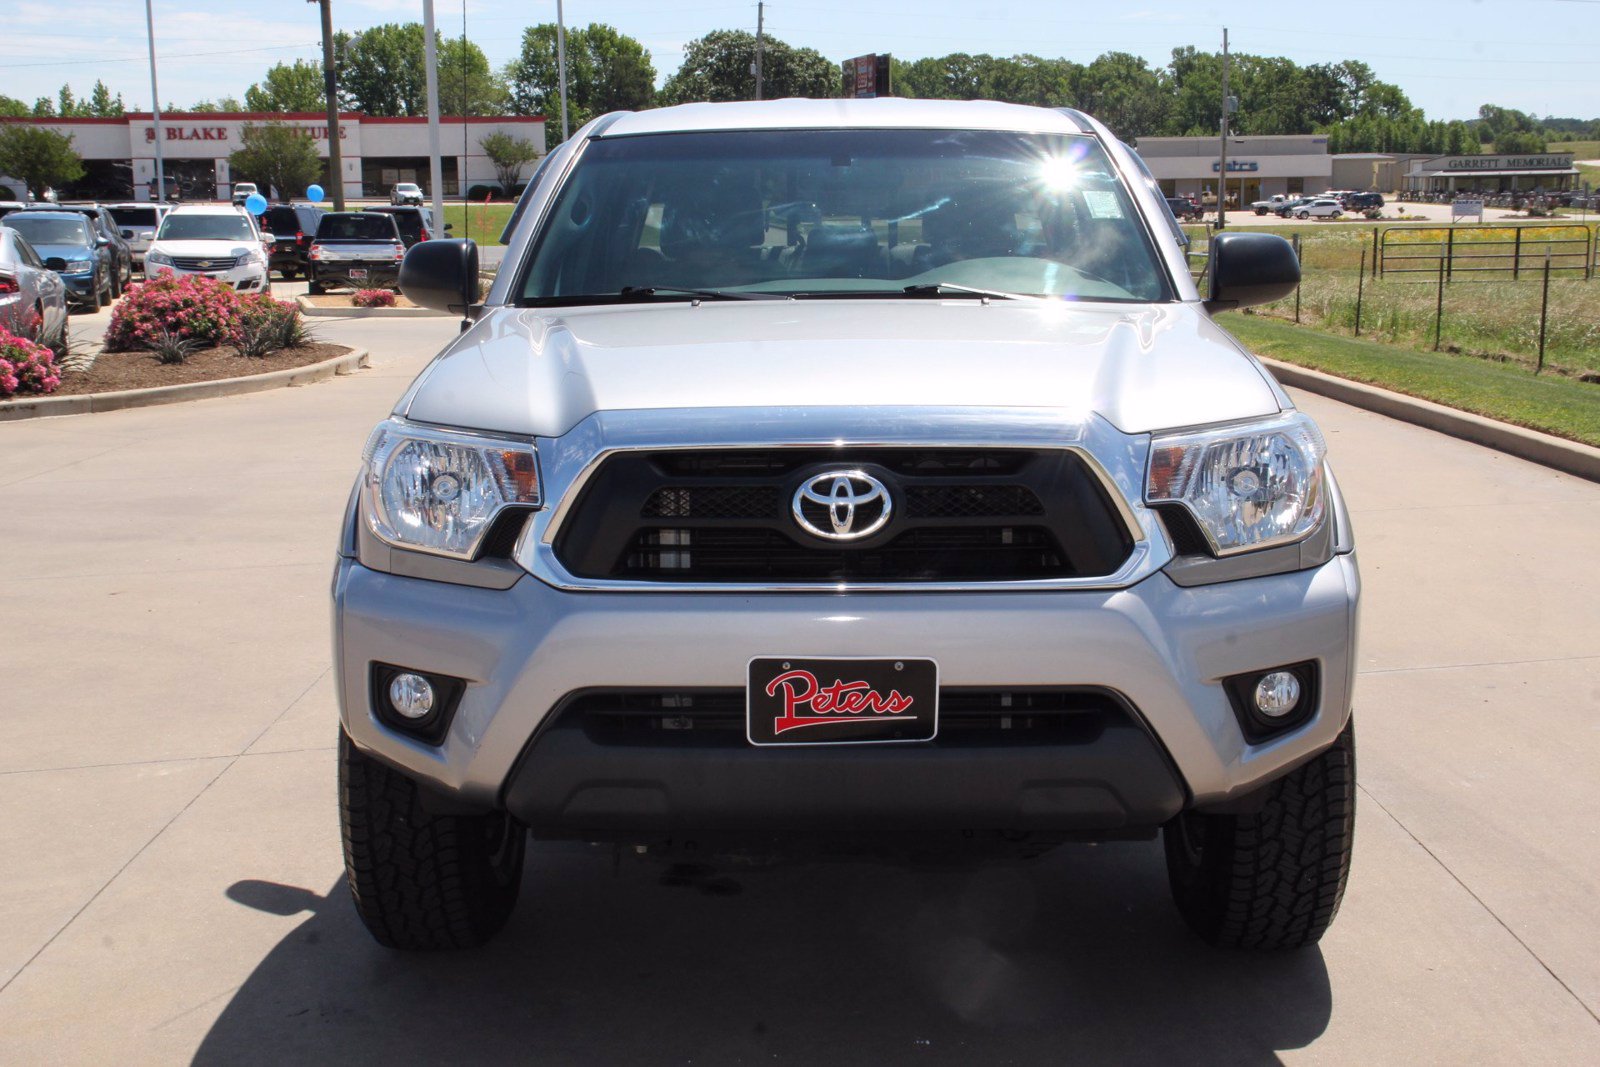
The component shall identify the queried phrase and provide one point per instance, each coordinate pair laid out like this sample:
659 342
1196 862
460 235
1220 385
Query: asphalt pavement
173 886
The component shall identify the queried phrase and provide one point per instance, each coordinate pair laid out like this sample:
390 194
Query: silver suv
829 475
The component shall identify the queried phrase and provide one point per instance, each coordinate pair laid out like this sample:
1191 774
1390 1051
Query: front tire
1272 879
420 880
1302 214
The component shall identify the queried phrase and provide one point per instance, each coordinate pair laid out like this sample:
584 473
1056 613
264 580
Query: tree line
380 72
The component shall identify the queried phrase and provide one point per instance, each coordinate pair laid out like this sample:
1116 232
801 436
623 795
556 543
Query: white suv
216 240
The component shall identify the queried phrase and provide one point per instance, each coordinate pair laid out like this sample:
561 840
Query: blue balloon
256 204
314 193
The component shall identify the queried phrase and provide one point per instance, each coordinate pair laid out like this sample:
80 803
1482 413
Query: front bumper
1160 648
250 278
80 285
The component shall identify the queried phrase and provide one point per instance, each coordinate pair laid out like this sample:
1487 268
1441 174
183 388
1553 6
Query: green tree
288 87
381 72
718 67
226 104
509 155
44 107
102 104
606 71
467 84
275 155
42 158
1122 91
12 108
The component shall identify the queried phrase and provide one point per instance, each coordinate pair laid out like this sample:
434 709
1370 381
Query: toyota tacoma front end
819 472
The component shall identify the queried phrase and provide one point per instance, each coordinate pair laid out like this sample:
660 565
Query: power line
168 55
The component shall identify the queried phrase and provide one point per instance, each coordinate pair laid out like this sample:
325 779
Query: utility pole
430 63
155 101
330 87
1222 166
561 66
761 18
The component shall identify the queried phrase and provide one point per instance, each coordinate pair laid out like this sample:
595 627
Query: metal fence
1499 250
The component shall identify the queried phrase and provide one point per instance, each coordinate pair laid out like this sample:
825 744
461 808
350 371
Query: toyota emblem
842 505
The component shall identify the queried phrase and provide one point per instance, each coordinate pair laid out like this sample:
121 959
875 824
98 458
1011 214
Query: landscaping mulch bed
342 300
113 371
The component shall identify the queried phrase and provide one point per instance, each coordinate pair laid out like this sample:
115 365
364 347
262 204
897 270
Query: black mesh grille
714 502
967 717
971 501
1187 538
957 514
955 553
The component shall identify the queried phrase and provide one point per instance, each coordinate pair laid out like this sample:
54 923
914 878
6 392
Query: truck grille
958 515
205 262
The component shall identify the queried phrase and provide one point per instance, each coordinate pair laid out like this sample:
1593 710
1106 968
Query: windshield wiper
628 292
942 288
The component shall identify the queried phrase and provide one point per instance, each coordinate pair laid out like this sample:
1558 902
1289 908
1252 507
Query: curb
49 406
312 311
1542 448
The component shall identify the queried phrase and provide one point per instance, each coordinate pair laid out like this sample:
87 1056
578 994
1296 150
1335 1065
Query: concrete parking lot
173 890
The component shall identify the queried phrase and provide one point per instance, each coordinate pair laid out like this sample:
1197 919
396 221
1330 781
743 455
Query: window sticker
1102 204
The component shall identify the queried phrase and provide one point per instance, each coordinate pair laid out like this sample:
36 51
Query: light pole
330 86
561 66
431 65
155 102
761 16
1222 166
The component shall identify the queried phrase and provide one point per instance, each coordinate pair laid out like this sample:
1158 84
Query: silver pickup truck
359 249
846 475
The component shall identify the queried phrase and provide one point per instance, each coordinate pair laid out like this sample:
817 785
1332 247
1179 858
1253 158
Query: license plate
794 701
357 273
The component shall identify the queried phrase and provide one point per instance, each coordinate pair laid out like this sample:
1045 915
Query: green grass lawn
1561 406
481 222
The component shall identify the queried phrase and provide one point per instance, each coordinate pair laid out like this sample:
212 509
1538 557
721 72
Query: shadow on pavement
1076 957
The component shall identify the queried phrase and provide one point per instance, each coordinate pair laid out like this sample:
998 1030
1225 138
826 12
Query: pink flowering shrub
26 367
373 298
193 307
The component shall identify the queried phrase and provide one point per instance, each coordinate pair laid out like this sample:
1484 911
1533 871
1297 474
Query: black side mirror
1250 268
442 275
102 241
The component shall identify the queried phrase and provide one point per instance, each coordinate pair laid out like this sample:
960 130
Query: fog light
411 696
1277 694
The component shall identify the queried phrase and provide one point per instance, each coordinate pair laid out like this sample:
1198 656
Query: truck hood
540 372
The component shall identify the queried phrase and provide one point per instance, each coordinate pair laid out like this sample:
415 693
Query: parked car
243 191
709 537
1271 203
137 223
216 240
1184 208
1362 201
292 227
415 223
1320 208
406 193
109 234
33 298
8 206
360 249
67 243
1288 207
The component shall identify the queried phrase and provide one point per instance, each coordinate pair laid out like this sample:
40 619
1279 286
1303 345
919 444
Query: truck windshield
843 212
58 231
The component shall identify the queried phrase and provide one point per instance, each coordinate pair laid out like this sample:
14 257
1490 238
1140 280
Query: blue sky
1449 57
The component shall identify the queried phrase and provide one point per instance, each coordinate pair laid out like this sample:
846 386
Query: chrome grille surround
1117 460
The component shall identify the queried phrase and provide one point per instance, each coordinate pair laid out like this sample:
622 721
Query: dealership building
120 160
1258 167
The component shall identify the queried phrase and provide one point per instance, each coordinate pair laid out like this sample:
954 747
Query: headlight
439 490
1249 486
74 265
158 257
